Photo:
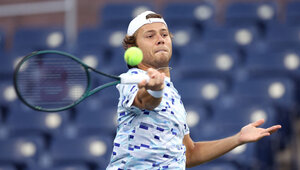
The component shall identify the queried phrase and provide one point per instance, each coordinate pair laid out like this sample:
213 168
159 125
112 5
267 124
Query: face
155 42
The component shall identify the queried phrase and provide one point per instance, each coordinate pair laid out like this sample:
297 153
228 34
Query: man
152 131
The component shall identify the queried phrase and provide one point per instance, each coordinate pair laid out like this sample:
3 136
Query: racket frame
88 92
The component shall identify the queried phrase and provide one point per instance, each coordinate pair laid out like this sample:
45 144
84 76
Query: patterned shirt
149 139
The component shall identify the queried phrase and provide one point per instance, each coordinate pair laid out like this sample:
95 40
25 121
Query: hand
156 81
251 132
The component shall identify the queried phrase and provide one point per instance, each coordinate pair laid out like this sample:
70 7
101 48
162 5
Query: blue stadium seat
201 90
89 38
33 39
92 56
240 35
91 150
61 167
215 166
210 60
282 33
21 150
7 93
7 167
197 117
293 13
244 157
23 121
6 65
196 14
279 91
117 64
109 41
2 41
256 13
273 60
238 112
120 14
183 36
95 116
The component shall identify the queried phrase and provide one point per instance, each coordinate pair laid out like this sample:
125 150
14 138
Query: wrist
238 138
156 94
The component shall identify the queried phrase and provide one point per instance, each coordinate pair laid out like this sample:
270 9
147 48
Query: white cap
141 20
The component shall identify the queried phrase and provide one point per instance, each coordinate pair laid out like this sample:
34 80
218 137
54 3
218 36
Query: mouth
161 50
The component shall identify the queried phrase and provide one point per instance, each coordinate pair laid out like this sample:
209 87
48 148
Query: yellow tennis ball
133 56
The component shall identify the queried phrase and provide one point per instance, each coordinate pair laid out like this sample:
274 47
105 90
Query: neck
163 69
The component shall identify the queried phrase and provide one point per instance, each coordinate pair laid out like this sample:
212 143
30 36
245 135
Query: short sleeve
128 91
127 94
186 129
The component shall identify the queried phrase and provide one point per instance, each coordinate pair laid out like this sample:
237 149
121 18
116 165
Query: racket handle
130 79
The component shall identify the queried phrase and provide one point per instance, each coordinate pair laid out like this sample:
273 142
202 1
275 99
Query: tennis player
152 131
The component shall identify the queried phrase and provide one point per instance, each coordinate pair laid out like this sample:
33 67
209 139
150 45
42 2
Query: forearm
201 152
144 100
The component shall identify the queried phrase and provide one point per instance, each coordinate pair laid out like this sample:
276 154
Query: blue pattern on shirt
149 139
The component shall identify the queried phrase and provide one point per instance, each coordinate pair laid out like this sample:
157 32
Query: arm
143 99
200 152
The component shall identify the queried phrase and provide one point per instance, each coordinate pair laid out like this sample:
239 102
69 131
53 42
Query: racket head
51 81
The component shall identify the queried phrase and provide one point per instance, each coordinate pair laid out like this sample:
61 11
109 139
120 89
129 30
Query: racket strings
51 81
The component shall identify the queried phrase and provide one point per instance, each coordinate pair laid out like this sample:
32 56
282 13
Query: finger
151 72
142 84
265 134
273 128
258 123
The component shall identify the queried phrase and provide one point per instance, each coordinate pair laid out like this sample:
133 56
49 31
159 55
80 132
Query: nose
160 40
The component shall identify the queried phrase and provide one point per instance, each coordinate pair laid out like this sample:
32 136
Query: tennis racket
53 81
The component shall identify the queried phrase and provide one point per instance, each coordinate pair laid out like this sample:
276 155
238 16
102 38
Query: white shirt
149 139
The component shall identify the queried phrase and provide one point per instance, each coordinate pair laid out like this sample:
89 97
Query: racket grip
133 79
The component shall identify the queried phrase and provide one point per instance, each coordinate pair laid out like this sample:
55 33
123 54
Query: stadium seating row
228 75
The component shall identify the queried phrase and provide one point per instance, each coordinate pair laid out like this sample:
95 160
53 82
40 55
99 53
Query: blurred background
233 62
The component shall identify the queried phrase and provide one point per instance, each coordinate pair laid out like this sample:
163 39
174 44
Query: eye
165 34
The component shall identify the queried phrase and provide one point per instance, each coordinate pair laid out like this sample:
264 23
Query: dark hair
130 41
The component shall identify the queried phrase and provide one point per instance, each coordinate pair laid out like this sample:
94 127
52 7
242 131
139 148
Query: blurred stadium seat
205 90
33 39
237 111
120 14
215 166
8 94
91 56
197 117
108 42
183 36
280 91
2 41
209 60
244 156
6 68
252 43
240 35
7 167
274 61
257 13
293 13
23 121
21 150
94 151
279 33
96 116
61 167
197 14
